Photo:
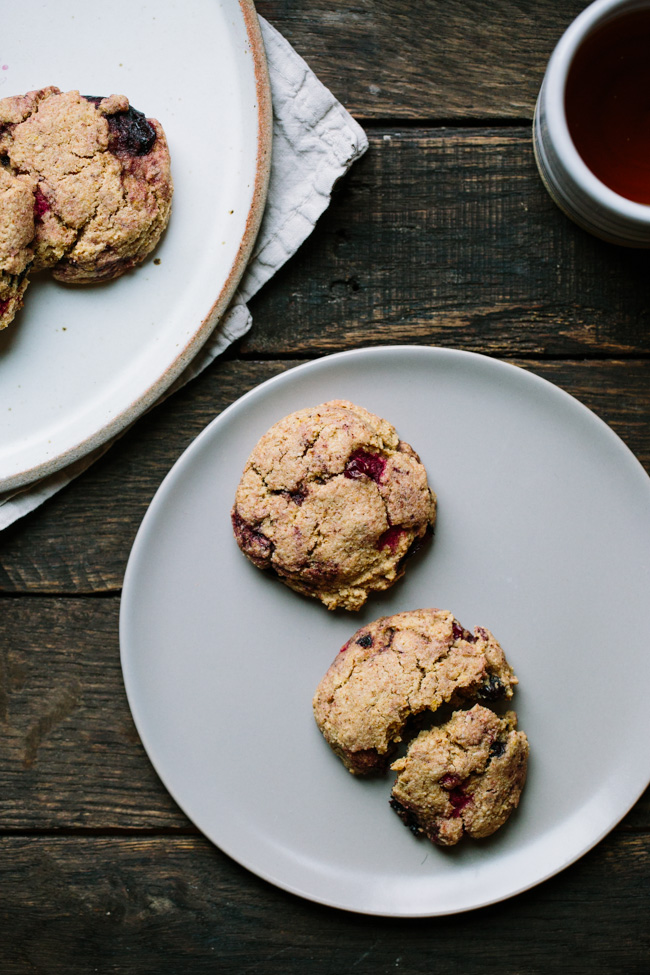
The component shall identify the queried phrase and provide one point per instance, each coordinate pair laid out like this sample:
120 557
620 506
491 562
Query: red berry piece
363 464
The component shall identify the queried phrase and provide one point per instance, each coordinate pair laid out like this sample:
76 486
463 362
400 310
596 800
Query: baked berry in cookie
398 667
101 181
462 778
333 501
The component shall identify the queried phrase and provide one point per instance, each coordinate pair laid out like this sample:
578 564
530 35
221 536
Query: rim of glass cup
555 115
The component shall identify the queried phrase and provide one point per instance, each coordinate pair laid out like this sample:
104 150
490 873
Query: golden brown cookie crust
333 502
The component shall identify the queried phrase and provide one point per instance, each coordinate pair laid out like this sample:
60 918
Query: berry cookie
464 777
397 667
333 501
102 185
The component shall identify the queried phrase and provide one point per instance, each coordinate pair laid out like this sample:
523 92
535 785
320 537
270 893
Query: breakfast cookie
464 777
333 501
102 185
398 667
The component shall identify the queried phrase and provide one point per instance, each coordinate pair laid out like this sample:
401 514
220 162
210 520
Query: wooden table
441 235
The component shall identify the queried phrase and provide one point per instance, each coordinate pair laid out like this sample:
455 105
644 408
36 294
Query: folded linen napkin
315 141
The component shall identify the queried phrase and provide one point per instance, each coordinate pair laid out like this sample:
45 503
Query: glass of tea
591 131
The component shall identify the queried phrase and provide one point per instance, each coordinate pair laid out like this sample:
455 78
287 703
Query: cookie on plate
333 501
398 667
462 778
102 185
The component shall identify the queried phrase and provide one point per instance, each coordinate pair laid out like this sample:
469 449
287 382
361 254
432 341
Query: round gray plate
543 536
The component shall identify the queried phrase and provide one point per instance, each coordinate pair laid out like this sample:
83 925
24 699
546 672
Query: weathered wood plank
79 541
177 905
425 59
447 237
69 751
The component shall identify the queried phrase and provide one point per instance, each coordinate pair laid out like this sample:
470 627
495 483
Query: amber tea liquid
607 104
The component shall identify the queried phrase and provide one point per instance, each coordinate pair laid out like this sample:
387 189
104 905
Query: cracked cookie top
333 502
400 666
101 181
462 778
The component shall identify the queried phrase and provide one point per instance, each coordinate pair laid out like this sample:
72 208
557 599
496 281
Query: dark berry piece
460 633
41 204
491 690
497 748
363 464
130 134
365 641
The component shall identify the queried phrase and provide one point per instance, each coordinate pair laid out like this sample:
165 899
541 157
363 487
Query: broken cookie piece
100 184
398 667
333 502
16 234
462 778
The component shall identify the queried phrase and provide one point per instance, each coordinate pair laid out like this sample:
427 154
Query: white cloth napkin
315 141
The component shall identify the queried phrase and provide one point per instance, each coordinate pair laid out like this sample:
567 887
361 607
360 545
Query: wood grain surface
441 235
427 59
447 237
166 904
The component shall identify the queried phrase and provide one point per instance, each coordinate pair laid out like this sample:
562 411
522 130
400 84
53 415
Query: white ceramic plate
543 535
79 364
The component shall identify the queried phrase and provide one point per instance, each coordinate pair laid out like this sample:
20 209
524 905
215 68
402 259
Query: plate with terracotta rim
542 536
79 364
